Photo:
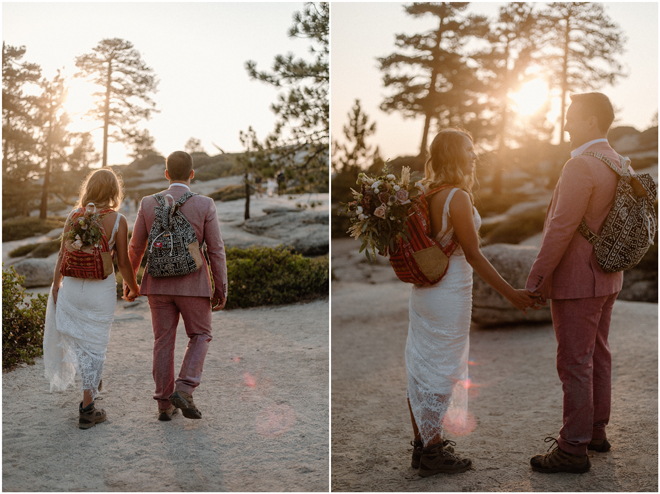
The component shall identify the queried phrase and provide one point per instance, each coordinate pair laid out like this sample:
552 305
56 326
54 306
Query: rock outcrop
513 262
37 272
306 231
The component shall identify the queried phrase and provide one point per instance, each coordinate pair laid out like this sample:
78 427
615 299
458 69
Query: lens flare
459 422
275 420
250 381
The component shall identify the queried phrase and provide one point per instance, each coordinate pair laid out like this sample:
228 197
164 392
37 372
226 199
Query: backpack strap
184 198
624 172
437 189
160 199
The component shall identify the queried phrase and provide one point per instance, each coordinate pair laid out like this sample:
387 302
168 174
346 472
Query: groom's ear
192 174
167 175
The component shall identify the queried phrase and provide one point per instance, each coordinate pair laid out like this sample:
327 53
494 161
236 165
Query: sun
531 96
79 101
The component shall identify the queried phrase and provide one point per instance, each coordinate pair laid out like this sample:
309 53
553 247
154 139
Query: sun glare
78 102
531 97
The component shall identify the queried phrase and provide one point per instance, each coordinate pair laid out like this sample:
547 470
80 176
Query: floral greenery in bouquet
380 209
85 230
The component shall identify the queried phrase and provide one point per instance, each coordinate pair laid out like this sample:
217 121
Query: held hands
523 299
129 294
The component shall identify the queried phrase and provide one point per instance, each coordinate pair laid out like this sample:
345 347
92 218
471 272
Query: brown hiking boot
90 416
418 445
184 401
559 460
600 445
437 459
165 414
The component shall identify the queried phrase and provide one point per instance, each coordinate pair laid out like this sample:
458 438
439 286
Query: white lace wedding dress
438 341
77 329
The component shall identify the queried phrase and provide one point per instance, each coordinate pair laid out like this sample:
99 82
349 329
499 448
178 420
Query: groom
582 294
190 296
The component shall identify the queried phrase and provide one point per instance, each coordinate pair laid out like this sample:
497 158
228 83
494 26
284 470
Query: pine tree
355 153
429 72
194 145
17 109
142 144
127 82
53 139
302 126
585 43
514 39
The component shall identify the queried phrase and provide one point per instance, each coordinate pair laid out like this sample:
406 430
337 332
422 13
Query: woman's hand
131 294
522 299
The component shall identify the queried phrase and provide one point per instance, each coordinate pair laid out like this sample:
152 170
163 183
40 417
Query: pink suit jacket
566 266
201 212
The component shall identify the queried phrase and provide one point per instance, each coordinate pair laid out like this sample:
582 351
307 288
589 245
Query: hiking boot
437 459
600 445
559 460
165 414
184 401
90 416
418 445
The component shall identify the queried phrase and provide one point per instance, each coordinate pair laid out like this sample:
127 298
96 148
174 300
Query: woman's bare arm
461 212
123 261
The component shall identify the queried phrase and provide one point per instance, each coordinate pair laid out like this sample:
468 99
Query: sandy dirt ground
515 398
264 399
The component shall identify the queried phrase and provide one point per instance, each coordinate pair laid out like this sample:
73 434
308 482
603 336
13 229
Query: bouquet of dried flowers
86 230
380 209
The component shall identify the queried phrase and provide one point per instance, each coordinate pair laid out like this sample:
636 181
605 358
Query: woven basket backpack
173 248
630 226
419 258
91 262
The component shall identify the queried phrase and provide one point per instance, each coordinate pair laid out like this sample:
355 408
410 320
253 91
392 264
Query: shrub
273 276
229 193
340 222
25 227
22 322
41 249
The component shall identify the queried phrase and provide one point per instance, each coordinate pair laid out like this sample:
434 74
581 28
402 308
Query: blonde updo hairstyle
448 163
102 187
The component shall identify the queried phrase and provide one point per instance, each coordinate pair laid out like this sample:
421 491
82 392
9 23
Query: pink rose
383 196
402 195
380 211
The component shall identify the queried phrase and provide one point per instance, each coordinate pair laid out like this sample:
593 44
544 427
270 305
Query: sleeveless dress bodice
447 232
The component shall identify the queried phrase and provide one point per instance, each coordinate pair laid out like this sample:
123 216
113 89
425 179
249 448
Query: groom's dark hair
595 105
179 164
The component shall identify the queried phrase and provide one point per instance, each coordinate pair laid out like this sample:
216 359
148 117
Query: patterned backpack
173 245
93 262
630 226
418 258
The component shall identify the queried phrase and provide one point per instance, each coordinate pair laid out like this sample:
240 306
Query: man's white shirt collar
180 185
583 148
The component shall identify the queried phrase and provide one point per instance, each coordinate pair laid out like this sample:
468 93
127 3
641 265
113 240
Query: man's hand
218 303
540 300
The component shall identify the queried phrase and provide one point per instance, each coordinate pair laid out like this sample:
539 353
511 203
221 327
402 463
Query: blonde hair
102 187
448 162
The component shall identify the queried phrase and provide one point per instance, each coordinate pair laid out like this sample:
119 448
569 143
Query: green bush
25 227
22 322
517 228
41 249
340 223
274 276
229 193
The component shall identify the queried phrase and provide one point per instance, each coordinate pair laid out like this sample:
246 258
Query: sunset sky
197 50
361 32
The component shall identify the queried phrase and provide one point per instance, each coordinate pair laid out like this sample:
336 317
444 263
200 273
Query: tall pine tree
429 73
128 84
301 136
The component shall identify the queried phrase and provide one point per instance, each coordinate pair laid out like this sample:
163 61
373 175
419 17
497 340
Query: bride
80 311
438 333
